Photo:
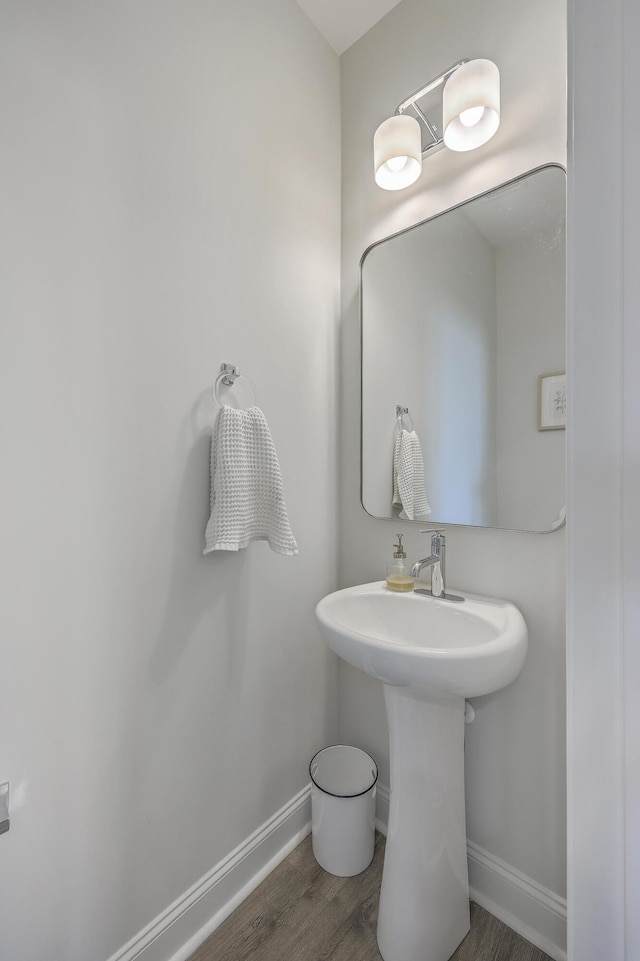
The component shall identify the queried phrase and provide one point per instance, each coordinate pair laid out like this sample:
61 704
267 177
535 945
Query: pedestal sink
430 654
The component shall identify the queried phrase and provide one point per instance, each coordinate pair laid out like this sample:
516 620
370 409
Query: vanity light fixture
470 117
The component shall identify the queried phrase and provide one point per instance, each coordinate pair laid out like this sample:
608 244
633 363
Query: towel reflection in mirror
409 491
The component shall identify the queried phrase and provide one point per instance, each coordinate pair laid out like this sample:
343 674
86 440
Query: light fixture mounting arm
428 87
412 101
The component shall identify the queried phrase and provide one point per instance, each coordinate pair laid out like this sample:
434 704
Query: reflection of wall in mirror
431 346
392 370
530 298
459 374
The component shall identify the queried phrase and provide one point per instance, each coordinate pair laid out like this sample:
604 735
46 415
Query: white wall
515 749
168 202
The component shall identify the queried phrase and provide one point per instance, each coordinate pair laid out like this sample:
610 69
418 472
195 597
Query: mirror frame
399 233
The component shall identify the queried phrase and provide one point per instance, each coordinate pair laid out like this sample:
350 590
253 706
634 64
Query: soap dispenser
398 573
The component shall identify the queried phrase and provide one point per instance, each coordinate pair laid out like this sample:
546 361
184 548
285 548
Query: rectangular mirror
463 324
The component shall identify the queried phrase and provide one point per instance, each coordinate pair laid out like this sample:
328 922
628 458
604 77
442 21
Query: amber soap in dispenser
398 573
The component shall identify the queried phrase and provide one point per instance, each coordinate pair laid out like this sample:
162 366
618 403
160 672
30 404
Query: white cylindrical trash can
343 809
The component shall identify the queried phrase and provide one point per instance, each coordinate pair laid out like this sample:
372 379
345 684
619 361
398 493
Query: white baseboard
531 910
176 933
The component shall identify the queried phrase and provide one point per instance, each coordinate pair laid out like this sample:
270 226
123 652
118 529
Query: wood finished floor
301 913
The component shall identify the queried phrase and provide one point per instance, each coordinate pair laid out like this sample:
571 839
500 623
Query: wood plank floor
301 913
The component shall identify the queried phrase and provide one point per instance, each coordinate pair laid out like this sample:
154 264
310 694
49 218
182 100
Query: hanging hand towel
247 502
408 477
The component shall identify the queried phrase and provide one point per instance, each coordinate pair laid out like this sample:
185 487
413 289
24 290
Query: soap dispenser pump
398 573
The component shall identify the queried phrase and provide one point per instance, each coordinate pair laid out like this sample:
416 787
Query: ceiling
342 22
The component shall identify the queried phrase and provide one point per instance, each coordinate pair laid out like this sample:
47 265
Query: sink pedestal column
424 900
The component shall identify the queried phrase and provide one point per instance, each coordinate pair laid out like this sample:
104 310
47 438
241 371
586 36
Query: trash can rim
331 793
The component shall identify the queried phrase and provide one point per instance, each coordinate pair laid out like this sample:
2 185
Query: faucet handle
438 540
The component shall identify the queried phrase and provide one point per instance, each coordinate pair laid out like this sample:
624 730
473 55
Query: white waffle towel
247 502
408 476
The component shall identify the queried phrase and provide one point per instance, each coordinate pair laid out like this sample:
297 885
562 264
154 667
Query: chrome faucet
437 561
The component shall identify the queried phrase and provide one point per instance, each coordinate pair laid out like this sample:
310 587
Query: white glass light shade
397 152
471 105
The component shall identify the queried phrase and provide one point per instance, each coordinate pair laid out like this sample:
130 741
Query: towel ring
403 412
228 375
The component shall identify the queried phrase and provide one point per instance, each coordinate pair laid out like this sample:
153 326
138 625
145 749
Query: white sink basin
429 645
430 654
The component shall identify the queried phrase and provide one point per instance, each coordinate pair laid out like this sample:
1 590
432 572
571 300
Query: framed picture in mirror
552 401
